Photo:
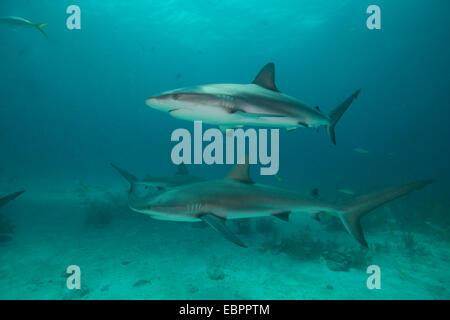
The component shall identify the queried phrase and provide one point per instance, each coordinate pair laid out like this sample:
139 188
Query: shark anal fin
283 215
10 197
218 224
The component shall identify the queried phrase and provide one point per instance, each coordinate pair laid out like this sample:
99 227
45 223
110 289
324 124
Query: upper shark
259 103
141 190
237 196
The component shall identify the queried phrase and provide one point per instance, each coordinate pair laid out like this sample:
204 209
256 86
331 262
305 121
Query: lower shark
141 190
259 103
8 198
237 196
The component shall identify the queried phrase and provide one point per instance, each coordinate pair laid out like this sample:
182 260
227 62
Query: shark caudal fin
130 178
40 27
352 211
337 113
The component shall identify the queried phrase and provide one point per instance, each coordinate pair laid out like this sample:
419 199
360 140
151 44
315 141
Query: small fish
346 191
178 76
361 150
315 193
21 22
402 273
142 282
278 178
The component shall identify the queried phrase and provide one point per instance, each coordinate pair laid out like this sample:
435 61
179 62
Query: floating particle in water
361 150
346 191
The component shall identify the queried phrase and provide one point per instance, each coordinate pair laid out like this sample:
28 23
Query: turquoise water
74 102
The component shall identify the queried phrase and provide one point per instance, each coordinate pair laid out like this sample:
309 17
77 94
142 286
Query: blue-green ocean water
73 103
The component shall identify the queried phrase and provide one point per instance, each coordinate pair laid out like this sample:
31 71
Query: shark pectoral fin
10 197
283 215
217 223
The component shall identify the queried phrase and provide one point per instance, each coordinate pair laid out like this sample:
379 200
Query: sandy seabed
135 257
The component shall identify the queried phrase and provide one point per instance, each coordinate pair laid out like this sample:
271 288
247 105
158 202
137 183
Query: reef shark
21 22
259 103
10 197
141 190
237 196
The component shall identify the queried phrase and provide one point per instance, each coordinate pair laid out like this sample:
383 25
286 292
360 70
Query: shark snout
165 101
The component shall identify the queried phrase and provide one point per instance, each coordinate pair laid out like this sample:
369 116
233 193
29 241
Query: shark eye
160 188
175 96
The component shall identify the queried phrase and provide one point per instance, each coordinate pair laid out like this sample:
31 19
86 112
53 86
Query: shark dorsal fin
182 170
130 178
266 77
241 173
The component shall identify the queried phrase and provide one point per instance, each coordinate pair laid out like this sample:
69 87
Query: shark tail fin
130 178
40 27
337 113
352 211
